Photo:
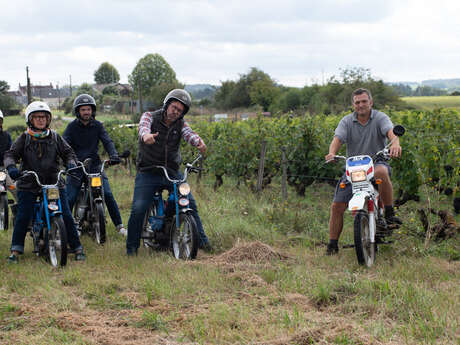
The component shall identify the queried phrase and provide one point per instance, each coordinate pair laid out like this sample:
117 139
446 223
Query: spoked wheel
151 211
3 212
57 243
184 241
99 224
365 250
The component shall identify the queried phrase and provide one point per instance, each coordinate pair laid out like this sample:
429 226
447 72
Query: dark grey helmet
84 99
178 95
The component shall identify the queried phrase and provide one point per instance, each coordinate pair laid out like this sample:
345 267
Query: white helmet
37 106
1 115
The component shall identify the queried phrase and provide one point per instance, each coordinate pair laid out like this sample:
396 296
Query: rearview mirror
399 130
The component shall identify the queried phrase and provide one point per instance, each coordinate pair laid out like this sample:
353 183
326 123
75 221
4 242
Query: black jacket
41 156
166 149
84 140
5 143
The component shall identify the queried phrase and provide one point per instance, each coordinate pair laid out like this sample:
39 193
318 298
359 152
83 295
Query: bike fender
358 201
98 200
185 210
55 214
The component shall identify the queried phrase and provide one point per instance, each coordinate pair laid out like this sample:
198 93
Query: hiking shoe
391 220
122 230
332 249
80 256
206 247
13 259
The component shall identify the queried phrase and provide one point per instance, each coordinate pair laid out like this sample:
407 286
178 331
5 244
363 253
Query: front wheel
184 240
57 242
3 212
365 250
99 224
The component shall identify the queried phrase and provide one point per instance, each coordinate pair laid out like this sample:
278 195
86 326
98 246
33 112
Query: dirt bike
370 227
89 210
169 223
47 226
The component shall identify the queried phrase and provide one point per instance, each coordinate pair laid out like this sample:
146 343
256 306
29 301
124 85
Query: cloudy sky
297 42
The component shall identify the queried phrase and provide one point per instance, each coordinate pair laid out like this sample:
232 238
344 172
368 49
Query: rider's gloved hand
13 172
115 160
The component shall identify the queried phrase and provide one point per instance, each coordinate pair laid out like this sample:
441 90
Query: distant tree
106 74
402 89
455 93
263 92
85 88
238 94
110 90
428 91
4 87
6 102
153 77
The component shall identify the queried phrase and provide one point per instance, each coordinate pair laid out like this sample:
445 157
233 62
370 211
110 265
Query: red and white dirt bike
370 227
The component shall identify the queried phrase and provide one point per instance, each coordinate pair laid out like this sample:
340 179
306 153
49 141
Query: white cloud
209 41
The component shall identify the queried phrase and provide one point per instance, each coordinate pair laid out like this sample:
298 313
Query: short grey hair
360 91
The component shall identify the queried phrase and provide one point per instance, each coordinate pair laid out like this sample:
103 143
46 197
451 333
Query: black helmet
84 99
178 95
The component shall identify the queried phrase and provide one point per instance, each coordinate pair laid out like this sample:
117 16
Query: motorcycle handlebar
37 179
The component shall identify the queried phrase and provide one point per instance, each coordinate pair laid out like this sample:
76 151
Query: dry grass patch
254 252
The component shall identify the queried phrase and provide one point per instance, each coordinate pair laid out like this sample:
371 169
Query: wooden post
260 175
200 166
284 177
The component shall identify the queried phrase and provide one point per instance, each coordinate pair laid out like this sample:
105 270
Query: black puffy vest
166 149
4 143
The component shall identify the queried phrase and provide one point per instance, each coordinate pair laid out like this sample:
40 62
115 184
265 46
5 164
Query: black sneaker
206 247
80 256
393 220
332 249
13 259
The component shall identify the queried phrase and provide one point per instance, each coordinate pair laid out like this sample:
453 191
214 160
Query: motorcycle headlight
2 176
96 181
357 176
184 188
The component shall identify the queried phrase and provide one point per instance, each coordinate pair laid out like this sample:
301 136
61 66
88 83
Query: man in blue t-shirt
83 135
365 132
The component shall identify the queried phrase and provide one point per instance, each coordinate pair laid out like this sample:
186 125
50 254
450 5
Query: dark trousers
24 215
146 185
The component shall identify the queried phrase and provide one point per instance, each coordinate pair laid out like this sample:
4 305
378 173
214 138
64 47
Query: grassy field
432 102
268 282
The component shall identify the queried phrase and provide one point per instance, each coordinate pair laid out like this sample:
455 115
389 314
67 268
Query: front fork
372 223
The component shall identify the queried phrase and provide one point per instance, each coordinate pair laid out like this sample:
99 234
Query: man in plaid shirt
160 133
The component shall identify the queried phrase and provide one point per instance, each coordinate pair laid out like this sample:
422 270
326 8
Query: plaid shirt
187 133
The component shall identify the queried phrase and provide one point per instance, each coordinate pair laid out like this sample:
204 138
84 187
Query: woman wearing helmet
39 149
160 134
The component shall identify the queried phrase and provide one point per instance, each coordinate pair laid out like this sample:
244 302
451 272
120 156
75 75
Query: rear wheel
3 212
365 250
99 224
57 243
184 240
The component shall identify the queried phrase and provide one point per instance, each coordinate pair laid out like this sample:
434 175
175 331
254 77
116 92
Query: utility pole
59 96
29 91
70 78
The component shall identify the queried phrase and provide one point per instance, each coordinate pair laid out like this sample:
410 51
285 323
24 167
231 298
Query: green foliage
6 102
110 90
256 87
153 77
106 74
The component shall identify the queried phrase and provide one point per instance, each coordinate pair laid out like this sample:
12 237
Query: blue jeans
146 184
73 188
24 215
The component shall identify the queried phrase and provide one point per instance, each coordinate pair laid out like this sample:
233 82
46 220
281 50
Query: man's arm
193 138
395 148
66 152
109 146
333 148
143 129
